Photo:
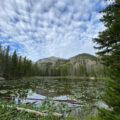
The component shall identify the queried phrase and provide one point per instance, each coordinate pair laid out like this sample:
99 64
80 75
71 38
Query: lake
81 95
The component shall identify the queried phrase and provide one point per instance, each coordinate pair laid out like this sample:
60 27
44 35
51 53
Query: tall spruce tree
24 66
14 68
0 60
20 70
109 46
6 63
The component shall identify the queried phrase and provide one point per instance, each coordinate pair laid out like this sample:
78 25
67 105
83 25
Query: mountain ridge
80 65
53 57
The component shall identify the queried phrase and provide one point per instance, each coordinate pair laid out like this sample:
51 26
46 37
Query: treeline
14 67
70 69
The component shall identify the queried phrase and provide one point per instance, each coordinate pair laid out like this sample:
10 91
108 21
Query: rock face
52 60
80 65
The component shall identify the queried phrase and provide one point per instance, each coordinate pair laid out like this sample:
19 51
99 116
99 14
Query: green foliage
85 92
13 66
5 112
109 46
70 69
97 117
10 113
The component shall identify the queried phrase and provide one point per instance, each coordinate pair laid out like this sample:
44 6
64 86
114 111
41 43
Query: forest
14 66
82 65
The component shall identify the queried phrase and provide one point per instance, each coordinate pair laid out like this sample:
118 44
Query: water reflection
49 87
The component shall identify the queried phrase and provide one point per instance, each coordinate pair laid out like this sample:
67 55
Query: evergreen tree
14 67
109 45
20 66
35 69
6 63
24 67
1 60
29 68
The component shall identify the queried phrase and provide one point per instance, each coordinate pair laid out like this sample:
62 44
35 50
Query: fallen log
35 112
56 100
69 101
39 113
31 111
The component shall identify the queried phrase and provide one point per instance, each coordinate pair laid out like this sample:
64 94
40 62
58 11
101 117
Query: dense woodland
13 66
72 70
80 65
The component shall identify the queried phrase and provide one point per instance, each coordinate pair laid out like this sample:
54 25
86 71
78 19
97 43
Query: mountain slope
79 65
84 56
52 60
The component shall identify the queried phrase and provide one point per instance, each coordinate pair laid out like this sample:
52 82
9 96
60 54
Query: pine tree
30 68
0 60
14 67
6 63
35 69
109 45
20 71
24 67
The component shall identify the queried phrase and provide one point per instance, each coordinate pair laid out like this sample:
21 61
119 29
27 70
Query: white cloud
44 28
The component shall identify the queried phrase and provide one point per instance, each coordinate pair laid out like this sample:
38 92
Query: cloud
43 28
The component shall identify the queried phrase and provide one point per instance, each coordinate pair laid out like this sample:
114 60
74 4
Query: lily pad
3 91
12 95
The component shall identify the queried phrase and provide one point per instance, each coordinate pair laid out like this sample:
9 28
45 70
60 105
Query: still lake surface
84 91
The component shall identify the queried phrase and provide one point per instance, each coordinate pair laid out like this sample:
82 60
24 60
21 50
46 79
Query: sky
43 28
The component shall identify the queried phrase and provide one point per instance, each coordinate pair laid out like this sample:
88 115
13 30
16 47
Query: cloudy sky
43 28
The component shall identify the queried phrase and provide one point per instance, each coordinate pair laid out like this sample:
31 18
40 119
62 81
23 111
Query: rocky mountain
79 65
54 61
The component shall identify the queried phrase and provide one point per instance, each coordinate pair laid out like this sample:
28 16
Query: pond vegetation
69 97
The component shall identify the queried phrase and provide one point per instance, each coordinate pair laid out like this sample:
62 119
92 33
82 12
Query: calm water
85 92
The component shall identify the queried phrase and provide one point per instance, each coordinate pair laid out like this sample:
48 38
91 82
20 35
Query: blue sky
43 28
